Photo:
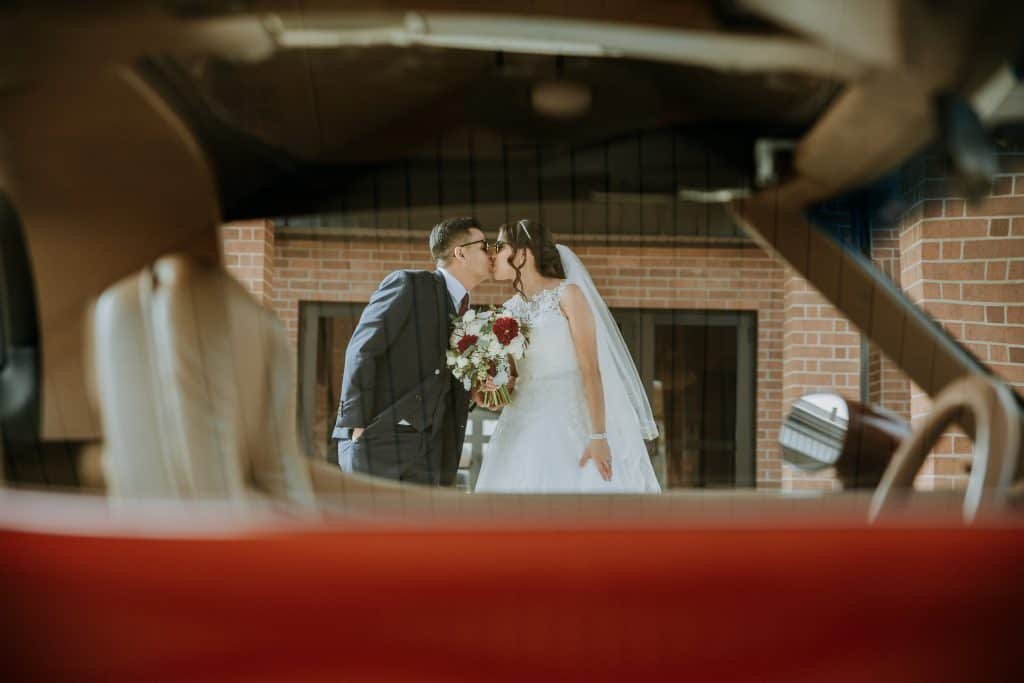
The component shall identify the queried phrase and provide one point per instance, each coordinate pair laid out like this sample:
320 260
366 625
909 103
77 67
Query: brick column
888 386
248 250
964 265
821 353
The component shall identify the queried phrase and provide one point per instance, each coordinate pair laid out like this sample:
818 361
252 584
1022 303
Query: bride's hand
485 388
477 397
480 395
598 451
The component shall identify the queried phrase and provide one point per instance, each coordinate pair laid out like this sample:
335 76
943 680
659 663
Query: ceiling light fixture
561 99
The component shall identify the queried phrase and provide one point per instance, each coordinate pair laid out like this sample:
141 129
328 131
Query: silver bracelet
603 436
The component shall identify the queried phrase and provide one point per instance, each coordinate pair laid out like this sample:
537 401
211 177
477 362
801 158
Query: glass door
698 367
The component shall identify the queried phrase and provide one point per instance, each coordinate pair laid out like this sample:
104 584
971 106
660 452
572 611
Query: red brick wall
965 266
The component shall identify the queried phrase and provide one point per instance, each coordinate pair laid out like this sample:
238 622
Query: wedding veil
625 398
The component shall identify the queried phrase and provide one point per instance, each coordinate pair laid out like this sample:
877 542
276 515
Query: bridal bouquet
482 346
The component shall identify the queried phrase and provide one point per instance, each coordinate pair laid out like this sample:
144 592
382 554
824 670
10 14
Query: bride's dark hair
527 234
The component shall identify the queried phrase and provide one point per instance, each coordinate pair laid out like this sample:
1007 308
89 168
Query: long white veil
626 406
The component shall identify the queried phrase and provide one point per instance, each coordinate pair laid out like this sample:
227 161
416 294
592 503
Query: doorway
699 371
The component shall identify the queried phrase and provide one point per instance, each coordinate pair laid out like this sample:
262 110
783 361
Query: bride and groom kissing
579 413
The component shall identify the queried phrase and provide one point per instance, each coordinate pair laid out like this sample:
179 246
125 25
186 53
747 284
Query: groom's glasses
486 247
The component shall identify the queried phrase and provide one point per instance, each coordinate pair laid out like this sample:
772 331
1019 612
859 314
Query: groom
402 415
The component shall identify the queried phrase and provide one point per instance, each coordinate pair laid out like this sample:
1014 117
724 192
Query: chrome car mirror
825 430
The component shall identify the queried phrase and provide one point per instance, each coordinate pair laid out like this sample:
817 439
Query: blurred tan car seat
195 386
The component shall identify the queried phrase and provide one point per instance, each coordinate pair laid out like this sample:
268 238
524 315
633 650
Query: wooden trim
746 400
309 324
311 313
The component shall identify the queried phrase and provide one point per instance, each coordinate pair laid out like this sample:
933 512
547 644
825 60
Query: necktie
464 304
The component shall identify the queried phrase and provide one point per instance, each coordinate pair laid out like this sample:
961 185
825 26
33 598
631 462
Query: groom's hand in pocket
357 432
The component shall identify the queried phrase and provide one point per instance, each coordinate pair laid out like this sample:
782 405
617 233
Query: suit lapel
445 310
457 398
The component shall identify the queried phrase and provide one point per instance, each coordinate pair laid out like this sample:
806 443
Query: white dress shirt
456 290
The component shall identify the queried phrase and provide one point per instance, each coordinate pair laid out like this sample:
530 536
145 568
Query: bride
579 414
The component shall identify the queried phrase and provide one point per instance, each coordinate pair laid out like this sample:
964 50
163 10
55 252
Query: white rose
469 316
467 383
462 361
501 379
494 348
515 347
475 327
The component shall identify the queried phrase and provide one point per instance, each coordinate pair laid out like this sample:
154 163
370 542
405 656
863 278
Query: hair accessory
522 226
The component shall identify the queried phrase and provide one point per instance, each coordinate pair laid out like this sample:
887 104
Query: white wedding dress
539 439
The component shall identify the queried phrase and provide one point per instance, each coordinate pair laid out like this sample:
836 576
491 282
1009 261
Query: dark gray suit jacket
397 386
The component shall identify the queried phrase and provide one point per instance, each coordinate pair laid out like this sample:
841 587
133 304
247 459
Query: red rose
506 329
466 341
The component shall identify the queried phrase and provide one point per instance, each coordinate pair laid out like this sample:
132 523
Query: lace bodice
551 351
532 309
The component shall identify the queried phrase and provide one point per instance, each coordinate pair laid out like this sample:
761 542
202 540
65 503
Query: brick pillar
248 249
888 386
821 353
964 266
